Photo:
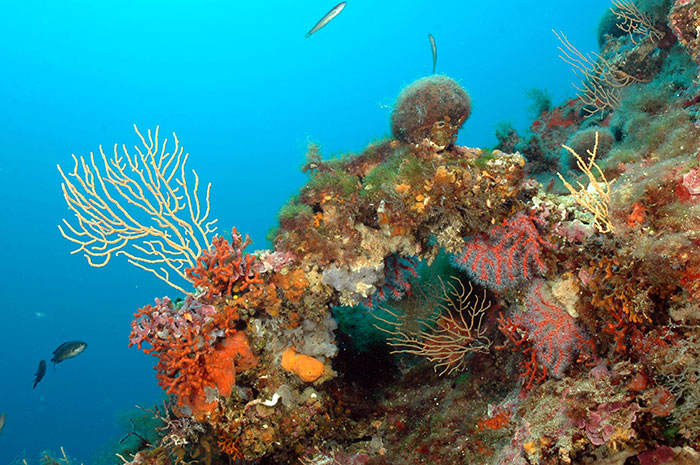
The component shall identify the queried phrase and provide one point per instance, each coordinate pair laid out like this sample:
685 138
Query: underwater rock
583 142
683 20
432 108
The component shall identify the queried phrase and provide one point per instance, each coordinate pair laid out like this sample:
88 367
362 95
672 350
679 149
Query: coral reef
596 287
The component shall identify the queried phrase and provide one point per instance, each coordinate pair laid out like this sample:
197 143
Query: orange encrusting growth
218 370
292 284
306 368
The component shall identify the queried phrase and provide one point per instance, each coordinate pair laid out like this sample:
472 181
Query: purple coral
609 419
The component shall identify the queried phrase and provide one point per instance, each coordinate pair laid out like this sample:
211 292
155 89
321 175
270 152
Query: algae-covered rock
432 108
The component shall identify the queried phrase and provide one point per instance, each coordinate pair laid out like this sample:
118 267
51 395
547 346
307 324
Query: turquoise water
245 92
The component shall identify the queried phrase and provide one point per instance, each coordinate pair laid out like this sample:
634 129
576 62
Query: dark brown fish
433 47
327 18
2 421
67 350
40 372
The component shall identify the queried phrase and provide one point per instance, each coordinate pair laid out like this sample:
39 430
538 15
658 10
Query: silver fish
40 372
2 421
326 19
433 47
67 350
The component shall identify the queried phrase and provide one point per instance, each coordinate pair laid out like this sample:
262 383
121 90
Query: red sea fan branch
505 256
550 336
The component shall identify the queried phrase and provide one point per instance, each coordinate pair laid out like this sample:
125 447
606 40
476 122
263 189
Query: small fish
40 372
433 47
326 19
67 350
2 421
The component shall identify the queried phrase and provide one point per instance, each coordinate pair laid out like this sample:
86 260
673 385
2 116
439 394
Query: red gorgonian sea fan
552 339
506 255
398 272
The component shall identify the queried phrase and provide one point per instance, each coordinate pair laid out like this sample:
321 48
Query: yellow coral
140 206
595 198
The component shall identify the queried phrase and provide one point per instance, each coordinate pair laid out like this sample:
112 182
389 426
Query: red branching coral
193 359
505 256
554 336
225 269
517 334
398 272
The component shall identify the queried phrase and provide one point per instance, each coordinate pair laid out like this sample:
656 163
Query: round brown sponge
432 108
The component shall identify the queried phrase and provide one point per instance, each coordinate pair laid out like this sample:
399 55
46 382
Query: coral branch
505 256
140 206
633 21
198 349
550 336
600 80
225 269
596 197
452 333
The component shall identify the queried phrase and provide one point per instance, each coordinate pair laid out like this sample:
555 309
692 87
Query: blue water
245 92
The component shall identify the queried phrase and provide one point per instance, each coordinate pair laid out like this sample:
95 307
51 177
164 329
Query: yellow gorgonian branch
596 197
449 335
633 21
140 206
600 80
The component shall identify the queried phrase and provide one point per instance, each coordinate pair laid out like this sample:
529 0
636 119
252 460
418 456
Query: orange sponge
229 357
306 368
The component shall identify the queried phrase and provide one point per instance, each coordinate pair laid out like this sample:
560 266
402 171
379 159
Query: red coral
225 269
553 336
505 256
191 359
516 333
562 116
554 333
398 272
691 181
638 214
